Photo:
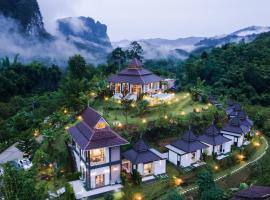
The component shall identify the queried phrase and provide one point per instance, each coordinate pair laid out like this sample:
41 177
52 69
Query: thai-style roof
213 137
87 136
140 153
188 143
235 126
253 193
242 115
135 74
233 110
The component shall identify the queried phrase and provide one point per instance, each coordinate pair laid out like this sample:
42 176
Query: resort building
233 110
242 115
216 142
96 148
253 193
186 151
134 81
235 131
148 162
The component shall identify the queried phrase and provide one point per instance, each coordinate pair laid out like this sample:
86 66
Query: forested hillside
240 71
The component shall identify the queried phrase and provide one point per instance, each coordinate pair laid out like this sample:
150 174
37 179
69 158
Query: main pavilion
134 81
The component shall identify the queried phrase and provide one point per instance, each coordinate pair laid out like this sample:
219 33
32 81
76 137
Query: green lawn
180 104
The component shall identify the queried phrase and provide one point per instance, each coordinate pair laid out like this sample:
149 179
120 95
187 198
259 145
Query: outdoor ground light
65 111
178 181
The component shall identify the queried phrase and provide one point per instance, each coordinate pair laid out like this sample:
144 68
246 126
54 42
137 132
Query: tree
126 104
77 67
142 107
117 59
136 177
135 50
207 187
173 194
18 184
27 144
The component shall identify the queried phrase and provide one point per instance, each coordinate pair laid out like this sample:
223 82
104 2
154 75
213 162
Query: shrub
124 178
108 196
73 176
136 177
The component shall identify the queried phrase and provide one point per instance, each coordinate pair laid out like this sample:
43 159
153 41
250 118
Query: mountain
27 14
85 34
164 48
24 34
181 48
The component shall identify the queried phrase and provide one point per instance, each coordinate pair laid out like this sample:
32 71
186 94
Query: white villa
96 148
145 160
217 143
235 131
186 151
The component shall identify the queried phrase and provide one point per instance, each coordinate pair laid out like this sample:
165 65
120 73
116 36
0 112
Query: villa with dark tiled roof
216 142
233 110
253 193
134 81
96 150
235 131
145 160
185 151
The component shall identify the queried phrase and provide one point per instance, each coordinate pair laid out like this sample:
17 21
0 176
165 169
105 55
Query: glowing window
148 168
97 156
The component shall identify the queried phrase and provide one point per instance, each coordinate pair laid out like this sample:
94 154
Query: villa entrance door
136 89
100 180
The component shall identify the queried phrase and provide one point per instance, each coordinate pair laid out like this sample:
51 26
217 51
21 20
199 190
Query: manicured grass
181 103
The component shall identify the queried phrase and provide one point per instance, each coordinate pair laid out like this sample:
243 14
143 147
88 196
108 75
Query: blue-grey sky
137 19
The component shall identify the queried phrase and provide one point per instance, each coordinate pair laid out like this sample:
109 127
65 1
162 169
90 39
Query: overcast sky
170 19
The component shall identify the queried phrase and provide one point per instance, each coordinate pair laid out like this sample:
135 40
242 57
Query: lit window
148 168
97 156
101 125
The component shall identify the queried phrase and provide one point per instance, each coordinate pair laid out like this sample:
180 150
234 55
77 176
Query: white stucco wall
232 138
160 167
99 171
172 157
227 147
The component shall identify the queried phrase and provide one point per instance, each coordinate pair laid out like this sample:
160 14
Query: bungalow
233 110
145 160
186 151
96 148
242 115
134 81
235 131
217 143
253 193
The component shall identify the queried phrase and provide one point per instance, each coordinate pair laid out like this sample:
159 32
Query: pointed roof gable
212 130
189 136
188 143
242 115
140 153
88 137
212 136
235 126
135 63
91 117
135 74
140 146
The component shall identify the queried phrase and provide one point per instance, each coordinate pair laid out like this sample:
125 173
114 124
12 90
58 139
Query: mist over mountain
182 48
24 34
